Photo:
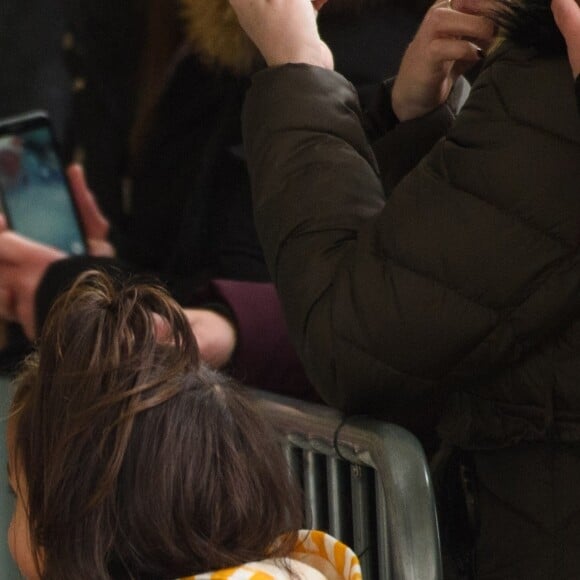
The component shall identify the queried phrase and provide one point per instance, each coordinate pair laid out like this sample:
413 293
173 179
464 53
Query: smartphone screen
35 195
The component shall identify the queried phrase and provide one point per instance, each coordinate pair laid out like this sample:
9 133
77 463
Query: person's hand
22 266
284 31
23 262
95 224
215 334
567 16
449 41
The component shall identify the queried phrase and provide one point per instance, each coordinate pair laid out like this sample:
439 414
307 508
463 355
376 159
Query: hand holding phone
23 263
34 192
41 211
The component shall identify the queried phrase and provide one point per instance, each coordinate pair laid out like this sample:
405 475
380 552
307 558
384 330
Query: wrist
405 107
318 55
396 103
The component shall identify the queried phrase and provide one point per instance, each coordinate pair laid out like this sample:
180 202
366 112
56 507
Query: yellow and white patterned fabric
317 556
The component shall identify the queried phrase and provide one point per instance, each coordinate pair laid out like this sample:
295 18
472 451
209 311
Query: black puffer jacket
463 283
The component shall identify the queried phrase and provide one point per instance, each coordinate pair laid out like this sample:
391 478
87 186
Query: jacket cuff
380 117
398 146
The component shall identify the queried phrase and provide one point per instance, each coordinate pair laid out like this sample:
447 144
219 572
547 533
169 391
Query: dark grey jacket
463 284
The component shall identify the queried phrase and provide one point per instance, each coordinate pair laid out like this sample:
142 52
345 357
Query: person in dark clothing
460 285
567 16
157 125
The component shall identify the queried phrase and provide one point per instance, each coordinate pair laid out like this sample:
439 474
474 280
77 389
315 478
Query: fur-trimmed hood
212 30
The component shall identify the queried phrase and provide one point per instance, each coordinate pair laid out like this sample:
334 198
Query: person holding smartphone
24 261
157 107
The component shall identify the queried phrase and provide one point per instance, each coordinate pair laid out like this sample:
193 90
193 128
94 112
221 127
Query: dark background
32 73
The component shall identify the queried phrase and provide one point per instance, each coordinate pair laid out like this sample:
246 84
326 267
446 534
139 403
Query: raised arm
372 330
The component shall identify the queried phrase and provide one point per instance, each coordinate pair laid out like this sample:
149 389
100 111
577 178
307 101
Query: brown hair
139 461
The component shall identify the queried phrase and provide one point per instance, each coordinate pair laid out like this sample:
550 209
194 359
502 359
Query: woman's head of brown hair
139 461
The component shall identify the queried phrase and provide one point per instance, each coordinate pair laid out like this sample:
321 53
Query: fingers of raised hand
567 16
480 7
459 50
442 22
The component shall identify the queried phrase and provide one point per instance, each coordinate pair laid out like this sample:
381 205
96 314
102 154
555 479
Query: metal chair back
366 482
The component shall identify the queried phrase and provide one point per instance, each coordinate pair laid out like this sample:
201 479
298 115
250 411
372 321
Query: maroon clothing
263 355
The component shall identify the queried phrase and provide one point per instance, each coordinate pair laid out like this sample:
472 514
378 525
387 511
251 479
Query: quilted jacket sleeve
399 147
373 333
464 269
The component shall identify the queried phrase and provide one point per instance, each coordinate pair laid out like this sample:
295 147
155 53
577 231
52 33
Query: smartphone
34 191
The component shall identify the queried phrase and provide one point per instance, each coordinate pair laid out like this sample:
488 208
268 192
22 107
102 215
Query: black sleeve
578 92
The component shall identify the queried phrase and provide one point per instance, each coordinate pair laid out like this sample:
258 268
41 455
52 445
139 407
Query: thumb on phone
95 224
